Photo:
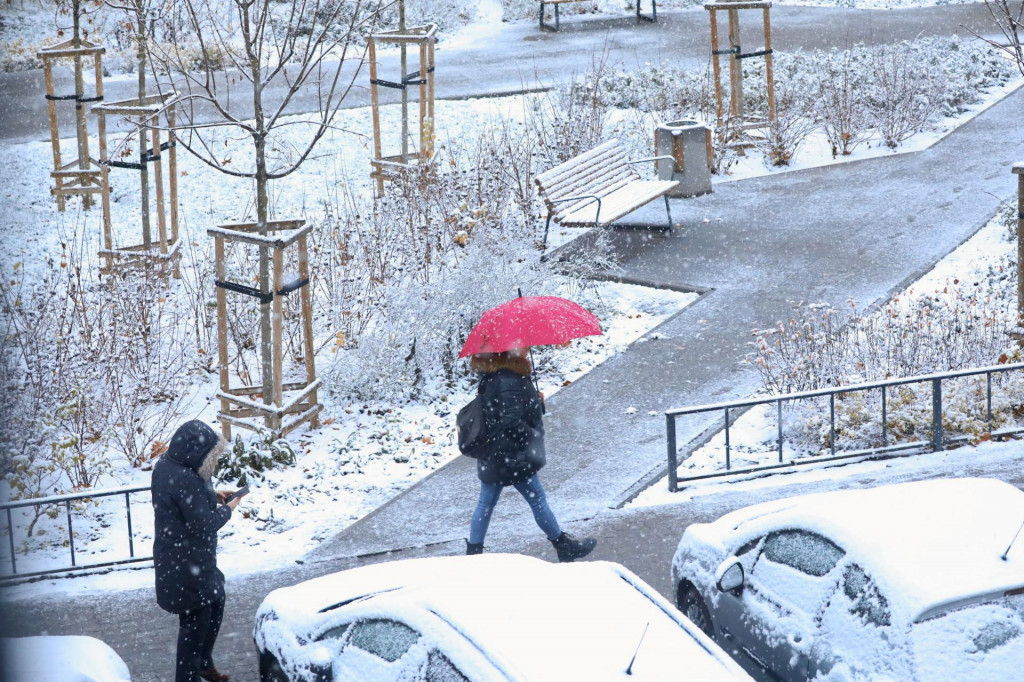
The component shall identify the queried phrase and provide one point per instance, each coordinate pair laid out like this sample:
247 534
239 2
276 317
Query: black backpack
473 440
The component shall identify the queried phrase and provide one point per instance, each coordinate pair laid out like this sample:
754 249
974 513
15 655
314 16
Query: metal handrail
66 500
936 443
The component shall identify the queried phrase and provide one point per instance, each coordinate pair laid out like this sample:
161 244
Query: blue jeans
531 490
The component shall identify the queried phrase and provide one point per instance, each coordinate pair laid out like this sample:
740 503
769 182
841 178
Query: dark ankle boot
570 549
474 549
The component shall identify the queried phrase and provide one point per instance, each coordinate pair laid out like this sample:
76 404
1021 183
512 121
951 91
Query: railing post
670 430
832 423
780 430
936 414
131 540
71 533
988 401
10 538
728 461
885 420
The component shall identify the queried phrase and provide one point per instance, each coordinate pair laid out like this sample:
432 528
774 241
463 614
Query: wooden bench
598 187
548 27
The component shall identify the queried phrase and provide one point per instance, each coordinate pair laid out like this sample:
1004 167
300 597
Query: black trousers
197 633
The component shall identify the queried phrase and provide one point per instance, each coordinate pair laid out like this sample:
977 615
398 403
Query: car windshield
979 642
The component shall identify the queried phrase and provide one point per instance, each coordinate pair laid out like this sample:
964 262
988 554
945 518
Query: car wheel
693 607
273 673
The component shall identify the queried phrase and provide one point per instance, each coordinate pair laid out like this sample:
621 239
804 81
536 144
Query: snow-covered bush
247 460
840 107
90 369
432 254
902 96
820 346
794 115
888 92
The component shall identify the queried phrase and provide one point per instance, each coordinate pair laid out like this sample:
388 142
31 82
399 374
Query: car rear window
805 551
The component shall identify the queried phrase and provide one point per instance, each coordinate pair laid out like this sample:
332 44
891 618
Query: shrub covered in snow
248 459
852 96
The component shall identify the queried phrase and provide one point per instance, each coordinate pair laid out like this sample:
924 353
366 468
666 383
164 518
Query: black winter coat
186 519
513 422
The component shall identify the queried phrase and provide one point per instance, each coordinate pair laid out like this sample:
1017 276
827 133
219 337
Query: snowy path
513 57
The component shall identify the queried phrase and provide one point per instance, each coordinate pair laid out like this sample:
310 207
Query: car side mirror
729 575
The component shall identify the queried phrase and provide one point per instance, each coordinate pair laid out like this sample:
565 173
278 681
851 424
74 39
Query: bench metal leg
549 27
668 210
654 12
546 226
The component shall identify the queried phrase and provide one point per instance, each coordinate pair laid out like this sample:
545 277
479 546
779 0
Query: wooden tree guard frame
737 112
237 406
424 38
163 253
80 176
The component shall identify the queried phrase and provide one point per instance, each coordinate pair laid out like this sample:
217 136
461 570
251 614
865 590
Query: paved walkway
860 229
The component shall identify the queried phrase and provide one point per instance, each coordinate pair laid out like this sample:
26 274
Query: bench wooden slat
605 172
606 187
620 203
611 146
593 182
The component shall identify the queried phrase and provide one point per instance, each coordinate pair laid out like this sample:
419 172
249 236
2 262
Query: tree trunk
140 53
81 131
260 139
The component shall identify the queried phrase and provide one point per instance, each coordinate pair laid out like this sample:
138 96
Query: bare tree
140 18
303 45
1009 18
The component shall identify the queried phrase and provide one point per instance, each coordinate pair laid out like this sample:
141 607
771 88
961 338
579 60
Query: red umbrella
530 321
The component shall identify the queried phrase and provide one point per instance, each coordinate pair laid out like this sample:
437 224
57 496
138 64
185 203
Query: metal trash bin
688 142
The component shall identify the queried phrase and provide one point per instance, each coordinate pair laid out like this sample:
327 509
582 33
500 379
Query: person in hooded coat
187 515
513 421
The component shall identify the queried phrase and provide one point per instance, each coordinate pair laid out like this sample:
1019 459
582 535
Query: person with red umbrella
512 409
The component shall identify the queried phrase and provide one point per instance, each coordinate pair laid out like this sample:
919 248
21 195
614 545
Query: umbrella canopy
530 321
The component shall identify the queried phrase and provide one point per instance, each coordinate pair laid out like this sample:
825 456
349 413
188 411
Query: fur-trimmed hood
487 363
198 447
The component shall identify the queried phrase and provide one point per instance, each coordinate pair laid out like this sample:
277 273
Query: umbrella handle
536 385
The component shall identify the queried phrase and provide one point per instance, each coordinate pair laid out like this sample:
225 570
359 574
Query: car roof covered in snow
929 544
534 619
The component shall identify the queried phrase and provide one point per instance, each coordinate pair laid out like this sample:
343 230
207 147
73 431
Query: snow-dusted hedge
888 93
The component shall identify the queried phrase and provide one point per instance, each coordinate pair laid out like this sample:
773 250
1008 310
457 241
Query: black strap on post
731 50
76 98
146 158
387 84
762 53
288 288
122 164
291 286
248 291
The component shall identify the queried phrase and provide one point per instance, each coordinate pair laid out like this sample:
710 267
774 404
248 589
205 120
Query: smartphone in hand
241 492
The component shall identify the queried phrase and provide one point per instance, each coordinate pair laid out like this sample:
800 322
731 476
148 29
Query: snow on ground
365 453
60 659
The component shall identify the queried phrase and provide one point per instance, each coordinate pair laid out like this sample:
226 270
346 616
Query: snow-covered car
899 582
60 659
481 618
